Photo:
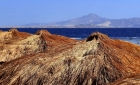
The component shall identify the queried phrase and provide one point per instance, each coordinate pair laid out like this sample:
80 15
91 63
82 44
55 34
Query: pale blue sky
19 12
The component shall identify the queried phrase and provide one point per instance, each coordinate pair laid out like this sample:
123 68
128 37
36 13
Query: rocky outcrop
14 44
97 60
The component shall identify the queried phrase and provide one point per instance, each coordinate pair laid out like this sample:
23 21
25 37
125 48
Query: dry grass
98 60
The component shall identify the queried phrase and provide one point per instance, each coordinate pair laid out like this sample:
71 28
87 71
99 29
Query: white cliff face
105 24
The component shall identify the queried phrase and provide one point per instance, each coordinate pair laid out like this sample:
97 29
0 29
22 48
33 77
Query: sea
127 34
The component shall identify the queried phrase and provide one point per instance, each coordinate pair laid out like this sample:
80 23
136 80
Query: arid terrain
47 59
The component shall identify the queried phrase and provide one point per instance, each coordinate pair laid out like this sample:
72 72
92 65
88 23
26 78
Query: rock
97 60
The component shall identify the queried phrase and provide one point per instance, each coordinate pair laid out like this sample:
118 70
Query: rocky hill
97 60
91 21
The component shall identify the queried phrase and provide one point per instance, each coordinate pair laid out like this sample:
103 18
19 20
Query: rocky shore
47 59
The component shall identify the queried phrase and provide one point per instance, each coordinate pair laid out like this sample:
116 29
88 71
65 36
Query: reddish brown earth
97 60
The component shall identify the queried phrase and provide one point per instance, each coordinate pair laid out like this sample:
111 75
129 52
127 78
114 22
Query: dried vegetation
97 60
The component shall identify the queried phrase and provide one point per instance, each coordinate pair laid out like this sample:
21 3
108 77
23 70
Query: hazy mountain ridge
92 20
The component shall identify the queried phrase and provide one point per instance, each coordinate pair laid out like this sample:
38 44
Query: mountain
92 20
96 60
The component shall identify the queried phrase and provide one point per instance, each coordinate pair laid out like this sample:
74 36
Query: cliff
14 44
97 60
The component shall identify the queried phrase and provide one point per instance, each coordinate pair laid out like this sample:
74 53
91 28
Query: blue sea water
127 34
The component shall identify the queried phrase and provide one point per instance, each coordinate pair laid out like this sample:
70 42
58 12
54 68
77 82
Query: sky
20 12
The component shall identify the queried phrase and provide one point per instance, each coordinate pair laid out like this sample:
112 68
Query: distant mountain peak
92 20
91 14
